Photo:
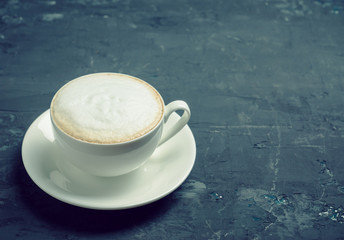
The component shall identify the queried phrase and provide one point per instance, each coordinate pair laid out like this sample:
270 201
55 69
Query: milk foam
106 108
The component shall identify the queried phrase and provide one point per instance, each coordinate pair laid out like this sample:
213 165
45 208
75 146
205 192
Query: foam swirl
106 108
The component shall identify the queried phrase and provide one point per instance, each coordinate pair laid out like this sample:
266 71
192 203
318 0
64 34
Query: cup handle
169 109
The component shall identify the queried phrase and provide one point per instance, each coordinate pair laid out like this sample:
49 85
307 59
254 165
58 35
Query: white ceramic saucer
167 169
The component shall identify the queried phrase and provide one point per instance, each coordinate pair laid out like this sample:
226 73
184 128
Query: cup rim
108 144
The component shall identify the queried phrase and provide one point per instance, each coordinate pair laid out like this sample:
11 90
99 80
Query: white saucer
166 170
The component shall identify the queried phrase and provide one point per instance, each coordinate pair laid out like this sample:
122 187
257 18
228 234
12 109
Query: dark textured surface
264 80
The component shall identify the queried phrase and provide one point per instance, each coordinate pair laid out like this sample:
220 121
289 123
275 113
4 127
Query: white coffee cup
111 157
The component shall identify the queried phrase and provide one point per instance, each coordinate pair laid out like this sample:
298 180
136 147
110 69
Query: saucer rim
53 190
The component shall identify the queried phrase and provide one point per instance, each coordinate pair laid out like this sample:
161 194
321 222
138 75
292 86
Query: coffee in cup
107 108
108 124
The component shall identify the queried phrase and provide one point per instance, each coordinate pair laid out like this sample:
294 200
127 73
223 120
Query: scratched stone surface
263 78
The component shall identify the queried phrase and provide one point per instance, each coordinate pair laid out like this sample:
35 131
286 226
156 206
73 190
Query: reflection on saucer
45 127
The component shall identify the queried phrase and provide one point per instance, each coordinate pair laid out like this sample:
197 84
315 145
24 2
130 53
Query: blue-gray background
263 78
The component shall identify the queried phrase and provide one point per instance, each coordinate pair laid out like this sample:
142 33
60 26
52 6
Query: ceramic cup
114 159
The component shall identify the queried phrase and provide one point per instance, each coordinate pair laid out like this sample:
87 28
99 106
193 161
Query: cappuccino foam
106 108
